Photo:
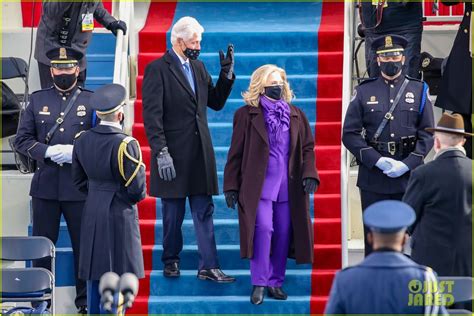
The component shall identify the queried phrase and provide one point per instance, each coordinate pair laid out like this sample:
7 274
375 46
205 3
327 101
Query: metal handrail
121 64
349 34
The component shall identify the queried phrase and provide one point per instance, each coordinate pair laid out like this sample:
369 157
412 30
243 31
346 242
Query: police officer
385 126
70 24
387 281
46 133
107 165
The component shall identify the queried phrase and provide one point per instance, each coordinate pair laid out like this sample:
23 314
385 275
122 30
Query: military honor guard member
387 281
46 134
177 91
384 127
107 166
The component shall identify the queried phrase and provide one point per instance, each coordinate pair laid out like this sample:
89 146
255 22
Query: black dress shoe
215 275
171 270
257 295
82 310
277 293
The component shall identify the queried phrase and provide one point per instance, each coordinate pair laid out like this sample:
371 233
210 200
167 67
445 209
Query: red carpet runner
327 207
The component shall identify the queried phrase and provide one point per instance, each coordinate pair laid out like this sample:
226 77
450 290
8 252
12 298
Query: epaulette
42 90
79 134
122 153
414 79
368 80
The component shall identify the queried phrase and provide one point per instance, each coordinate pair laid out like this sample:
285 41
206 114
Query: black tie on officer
384 127
46 133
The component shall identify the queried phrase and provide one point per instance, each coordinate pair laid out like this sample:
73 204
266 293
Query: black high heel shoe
277 293
257 295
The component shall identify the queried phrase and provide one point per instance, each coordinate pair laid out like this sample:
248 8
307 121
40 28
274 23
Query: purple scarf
277 118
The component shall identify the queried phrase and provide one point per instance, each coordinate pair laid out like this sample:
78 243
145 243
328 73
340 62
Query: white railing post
349 20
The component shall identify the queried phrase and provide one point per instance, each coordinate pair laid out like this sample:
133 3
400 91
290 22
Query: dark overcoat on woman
245 172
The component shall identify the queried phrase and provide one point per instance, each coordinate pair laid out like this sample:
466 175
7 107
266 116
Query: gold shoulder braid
123 151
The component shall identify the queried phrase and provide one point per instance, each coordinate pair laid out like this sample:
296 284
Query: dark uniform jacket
245 172
177 118
397 17
110 235
51 22
378 286
441 194
456 83
370 102
52 181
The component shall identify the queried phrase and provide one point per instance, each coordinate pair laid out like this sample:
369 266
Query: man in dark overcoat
456 84
107 166
46 134
441 194
249 129
177 89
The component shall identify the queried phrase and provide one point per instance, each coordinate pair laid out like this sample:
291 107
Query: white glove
384 163
54 152
398 169
66 156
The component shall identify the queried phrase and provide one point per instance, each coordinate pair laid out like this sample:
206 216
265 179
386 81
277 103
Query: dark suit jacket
441 194
177 118
51 22
456 85
110 233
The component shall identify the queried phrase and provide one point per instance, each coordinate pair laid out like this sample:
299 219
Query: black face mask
65 81
192 54
391 68
273 92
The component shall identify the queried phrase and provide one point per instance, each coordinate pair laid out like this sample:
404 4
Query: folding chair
27 284
461 292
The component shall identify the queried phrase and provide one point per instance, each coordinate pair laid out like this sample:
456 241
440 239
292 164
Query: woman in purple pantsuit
270 173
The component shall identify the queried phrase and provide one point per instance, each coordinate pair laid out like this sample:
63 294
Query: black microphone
128 288
107 287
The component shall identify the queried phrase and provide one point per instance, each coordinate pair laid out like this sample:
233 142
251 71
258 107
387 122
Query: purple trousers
271 243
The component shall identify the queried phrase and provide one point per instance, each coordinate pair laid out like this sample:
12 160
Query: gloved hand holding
165 165
384 163
117 25
66 156
231 198
398 169
53 151
310 185
227 62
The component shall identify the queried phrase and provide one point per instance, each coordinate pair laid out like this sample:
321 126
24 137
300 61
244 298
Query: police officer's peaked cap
64 57
389 45
108 99
389 216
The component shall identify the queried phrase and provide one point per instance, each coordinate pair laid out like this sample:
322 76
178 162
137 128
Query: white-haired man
177 89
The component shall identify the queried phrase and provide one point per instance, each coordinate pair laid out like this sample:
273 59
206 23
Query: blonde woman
270 173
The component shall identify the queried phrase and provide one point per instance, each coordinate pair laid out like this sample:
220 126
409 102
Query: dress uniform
387 281
52 190
107 166
403 139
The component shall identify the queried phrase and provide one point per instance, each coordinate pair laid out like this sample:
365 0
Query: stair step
297 282
205 305
245 63
303 85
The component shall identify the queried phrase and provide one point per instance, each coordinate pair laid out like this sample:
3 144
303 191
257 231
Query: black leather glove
231 198
117 25
165 165
310 185
227 62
